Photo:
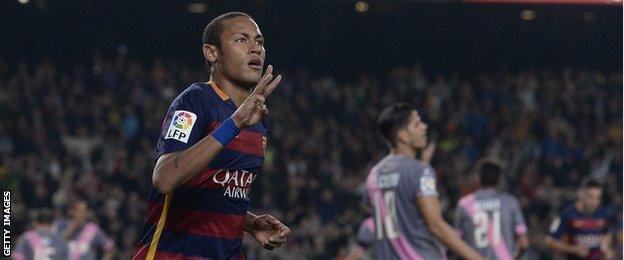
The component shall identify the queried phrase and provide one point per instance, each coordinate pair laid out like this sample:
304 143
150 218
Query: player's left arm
520 229
266 229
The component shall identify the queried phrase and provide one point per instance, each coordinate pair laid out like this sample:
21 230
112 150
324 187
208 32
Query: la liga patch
181 125
427 184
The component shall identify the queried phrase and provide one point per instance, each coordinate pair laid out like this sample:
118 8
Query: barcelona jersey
576 227
204 217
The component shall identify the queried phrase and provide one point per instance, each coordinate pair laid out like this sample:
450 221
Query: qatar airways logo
237 184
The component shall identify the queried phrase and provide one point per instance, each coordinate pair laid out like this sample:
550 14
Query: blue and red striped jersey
588 229
203 218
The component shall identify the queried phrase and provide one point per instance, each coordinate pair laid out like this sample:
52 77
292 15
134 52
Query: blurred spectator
89 131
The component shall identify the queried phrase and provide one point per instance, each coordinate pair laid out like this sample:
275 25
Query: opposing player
211 150
41 243
491 220
584 229
402 191
82 236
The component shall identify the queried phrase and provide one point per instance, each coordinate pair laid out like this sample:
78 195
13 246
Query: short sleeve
558 227
519 224
425 182
185 122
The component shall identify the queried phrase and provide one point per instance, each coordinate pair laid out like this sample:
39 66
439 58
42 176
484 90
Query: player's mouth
255 64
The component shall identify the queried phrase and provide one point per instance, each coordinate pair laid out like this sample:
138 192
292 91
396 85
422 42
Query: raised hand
426 155
253 108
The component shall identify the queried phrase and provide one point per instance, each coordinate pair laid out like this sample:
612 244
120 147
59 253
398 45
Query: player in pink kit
491 220
402 191
41 243
83 236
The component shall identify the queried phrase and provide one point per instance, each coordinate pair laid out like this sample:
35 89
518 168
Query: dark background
326 36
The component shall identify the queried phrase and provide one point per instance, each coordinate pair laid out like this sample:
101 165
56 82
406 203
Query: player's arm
175 168
557 228
430 208
520 229
266 229
523 245
566 248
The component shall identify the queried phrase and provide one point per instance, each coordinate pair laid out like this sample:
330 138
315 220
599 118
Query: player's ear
402 136
211 53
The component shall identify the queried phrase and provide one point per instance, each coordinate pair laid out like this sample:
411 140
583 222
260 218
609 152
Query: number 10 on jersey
385 214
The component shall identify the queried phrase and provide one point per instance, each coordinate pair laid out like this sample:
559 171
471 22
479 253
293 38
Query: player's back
489 220
393 186
41 245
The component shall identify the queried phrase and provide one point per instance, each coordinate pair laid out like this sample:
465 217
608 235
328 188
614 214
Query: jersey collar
218 90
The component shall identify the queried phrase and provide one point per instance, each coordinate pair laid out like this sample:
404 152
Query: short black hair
590 182
392 119
212 32
489 174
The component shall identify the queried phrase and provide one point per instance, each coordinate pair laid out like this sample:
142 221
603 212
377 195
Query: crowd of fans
89 131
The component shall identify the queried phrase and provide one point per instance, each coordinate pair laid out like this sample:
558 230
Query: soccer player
83 236
211 150
402 192
491 220
41 243
584 229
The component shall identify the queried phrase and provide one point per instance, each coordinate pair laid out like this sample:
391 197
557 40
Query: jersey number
482 228
388 220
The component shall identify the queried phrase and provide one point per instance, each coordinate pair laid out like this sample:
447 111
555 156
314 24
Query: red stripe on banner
206 223
247 142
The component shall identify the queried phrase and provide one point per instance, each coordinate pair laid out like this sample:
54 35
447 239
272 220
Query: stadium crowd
89 131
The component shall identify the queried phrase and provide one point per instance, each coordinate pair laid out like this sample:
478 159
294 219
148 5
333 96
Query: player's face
242 51
591 198
79 212
417 131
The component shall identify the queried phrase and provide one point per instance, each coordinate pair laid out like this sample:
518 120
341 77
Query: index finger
284 230
266 78
271 86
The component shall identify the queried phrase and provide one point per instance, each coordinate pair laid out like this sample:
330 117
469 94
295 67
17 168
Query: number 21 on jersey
484 225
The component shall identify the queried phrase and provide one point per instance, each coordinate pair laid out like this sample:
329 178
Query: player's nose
255 49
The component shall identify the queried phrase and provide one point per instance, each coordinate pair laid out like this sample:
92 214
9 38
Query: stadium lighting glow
23 1
361 6
197 8
527 15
